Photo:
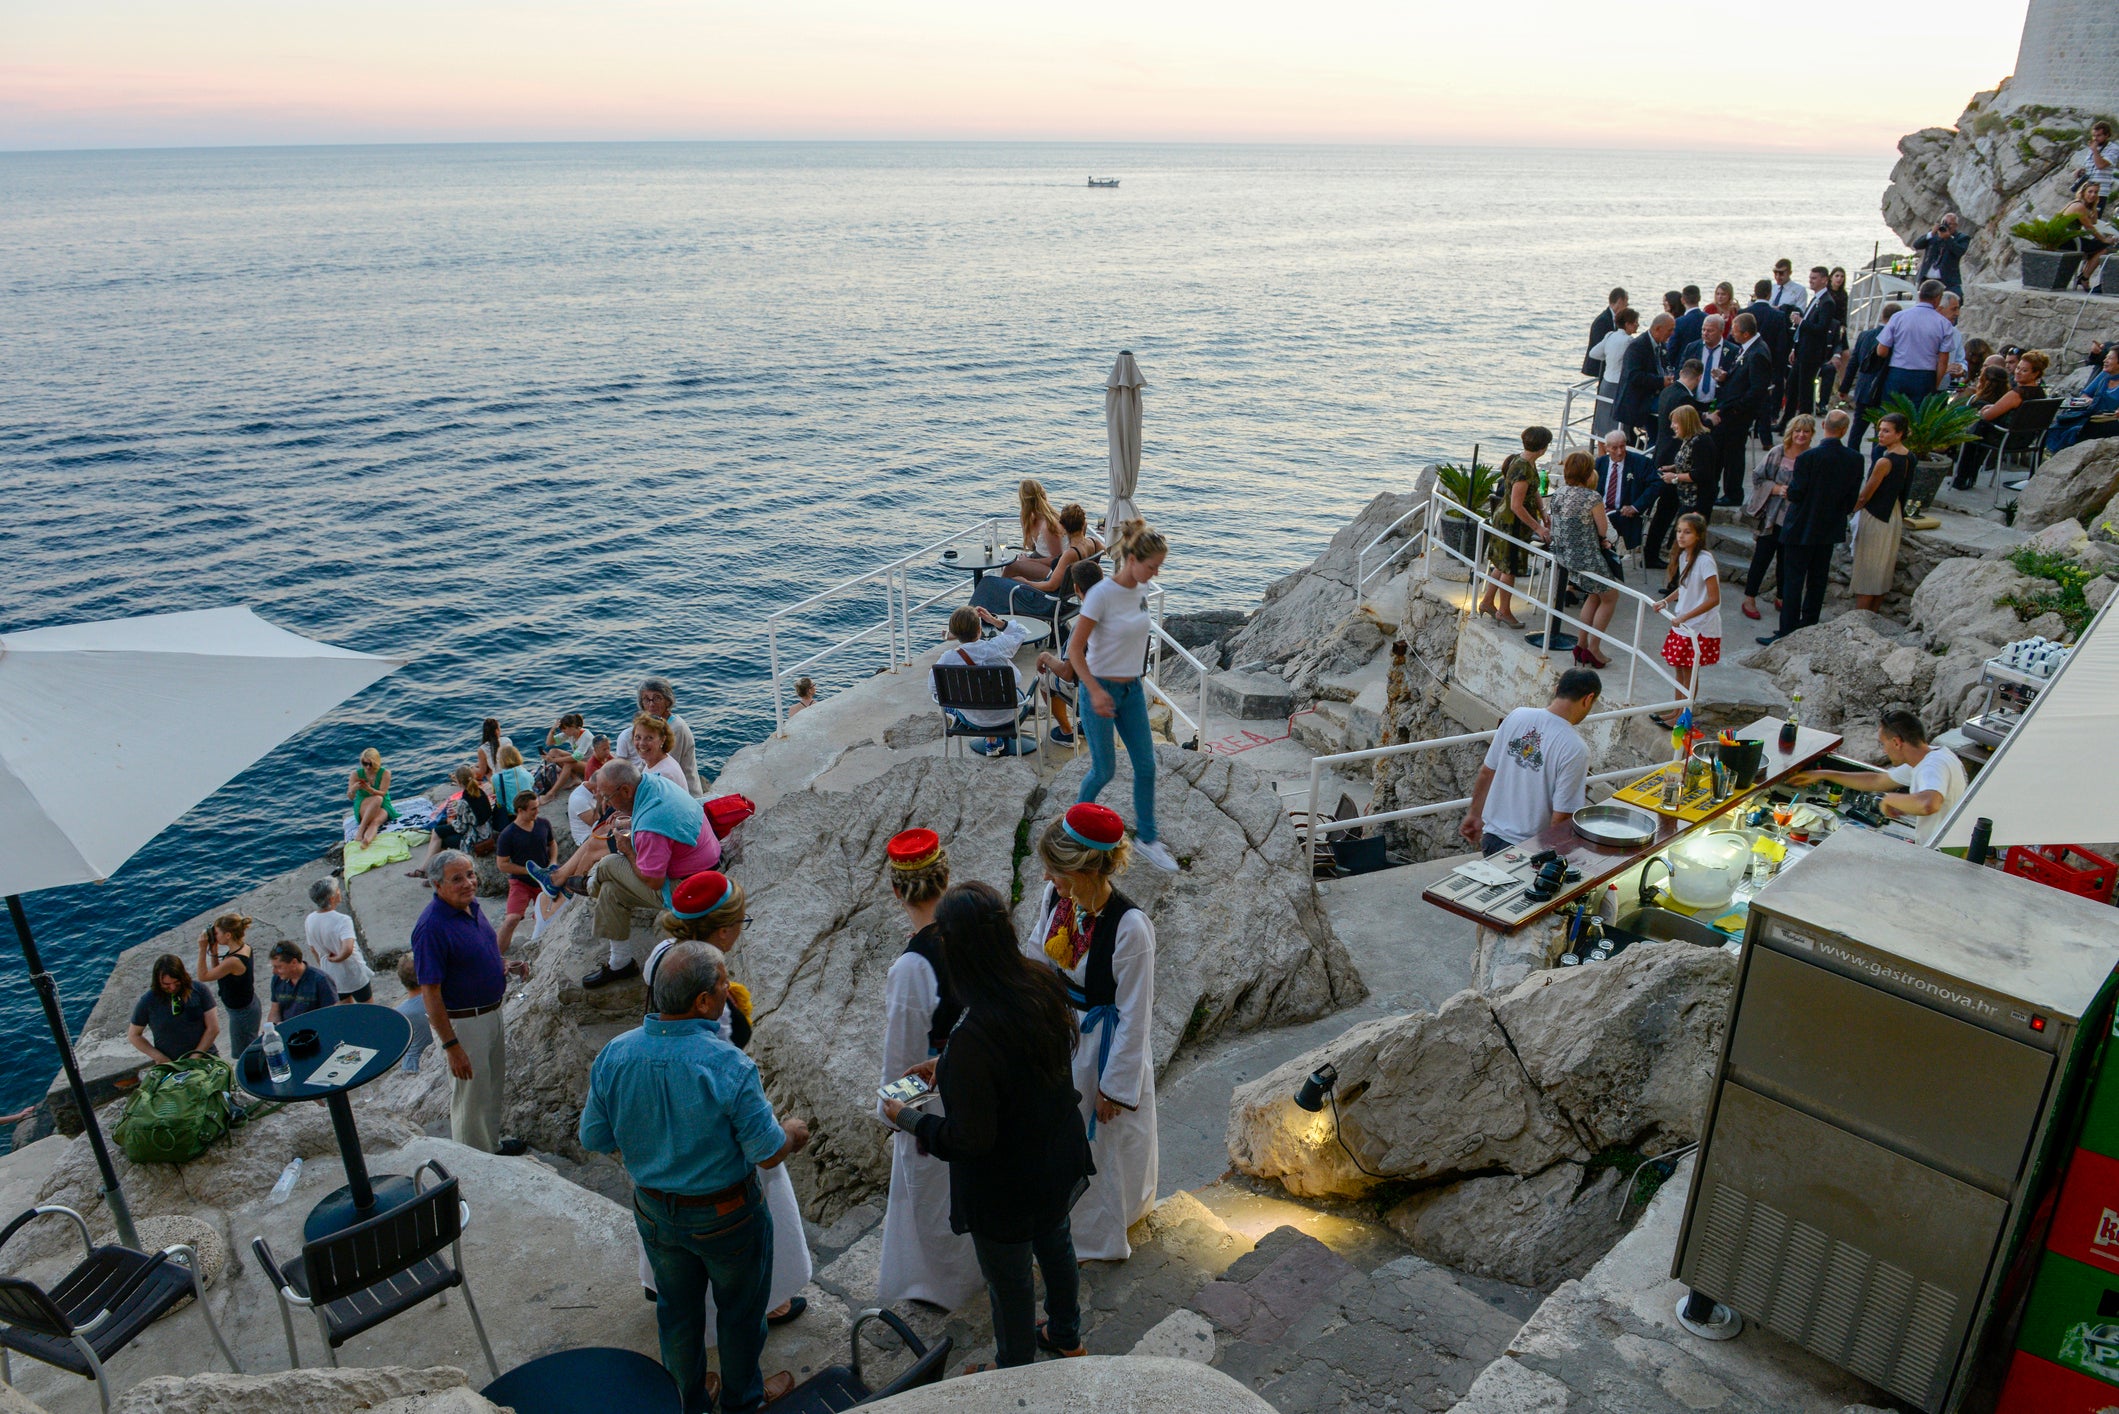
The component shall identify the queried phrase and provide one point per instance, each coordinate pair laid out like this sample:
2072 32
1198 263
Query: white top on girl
1692 592
1119 646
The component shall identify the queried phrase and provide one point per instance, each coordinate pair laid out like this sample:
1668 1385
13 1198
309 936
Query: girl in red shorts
1695 587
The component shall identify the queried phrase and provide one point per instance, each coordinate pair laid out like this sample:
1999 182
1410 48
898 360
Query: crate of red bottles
2068 867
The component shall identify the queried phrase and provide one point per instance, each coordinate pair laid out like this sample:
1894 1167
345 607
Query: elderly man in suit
1641 379
1628 482
1821 494
1716 357
1746 400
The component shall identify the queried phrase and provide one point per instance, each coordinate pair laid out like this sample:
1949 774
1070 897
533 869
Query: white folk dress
922 1259
1123 1188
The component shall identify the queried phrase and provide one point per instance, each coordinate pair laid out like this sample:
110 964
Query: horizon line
1302 143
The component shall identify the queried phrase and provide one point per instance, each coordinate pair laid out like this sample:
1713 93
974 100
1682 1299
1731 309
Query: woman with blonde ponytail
1109 652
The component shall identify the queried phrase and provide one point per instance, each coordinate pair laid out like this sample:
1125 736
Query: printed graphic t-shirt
1540 765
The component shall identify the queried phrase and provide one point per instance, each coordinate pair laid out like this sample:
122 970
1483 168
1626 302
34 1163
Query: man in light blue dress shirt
1919 341
684 1110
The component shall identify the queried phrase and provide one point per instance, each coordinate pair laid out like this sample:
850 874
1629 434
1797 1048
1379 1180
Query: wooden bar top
1602 863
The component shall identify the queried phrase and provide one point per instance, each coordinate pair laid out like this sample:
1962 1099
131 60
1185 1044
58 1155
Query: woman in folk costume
708 908
922 1259
1104 949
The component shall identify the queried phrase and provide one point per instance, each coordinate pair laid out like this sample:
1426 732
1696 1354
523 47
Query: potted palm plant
1936 428
2052 260
1473 488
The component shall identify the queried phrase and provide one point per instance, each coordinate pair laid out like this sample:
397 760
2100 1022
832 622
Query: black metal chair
962 688
845 1387
2023 437
360 1277
99 1307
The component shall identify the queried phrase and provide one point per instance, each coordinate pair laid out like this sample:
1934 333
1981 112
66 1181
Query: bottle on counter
1608 906
275 1054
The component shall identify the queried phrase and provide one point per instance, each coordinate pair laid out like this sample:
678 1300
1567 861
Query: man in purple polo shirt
456 957
1918 341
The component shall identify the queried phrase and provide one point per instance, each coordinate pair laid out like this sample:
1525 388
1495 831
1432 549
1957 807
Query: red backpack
726 812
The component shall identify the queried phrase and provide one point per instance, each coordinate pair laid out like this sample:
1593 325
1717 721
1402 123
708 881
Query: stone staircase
1348 1320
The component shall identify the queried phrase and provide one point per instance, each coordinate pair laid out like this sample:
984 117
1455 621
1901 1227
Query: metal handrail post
772 644
1309 827
1633 650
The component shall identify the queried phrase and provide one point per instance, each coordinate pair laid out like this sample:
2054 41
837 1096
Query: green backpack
180 1109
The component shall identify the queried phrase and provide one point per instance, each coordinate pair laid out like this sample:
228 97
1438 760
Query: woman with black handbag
1011 1131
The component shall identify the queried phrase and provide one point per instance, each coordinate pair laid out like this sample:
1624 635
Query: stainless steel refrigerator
1904 1033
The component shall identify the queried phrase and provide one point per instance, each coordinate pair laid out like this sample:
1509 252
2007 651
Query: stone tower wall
2069 57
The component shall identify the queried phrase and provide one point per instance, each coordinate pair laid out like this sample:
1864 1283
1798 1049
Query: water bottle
285 1186
275 1055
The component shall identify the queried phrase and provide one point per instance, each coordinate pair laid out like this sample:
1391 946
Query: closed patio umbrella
1122 422
178 705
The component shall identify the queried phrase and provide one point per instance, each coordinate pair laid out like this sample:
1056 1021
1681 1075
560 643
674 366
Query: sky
1800 75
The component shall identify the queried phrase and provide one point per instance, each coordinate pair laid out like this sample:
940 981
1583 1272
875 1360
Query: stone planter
1927 479
2049 269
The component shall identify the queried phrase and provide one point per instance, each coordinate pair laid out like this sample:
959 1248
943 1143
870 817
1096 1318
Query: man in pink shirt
669 841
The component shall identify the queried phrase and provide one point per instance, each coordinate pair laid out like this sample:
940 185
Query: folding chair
845 1387
2024 436
361 1276
968 688
99 1307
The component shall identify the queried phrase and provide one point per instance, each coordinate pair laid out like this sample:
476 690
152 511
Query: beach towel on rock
390 847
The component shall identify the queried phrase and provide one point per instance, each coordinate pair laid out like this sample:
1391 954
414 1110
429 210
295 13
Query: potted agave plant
1936 428
1471 487
2052 260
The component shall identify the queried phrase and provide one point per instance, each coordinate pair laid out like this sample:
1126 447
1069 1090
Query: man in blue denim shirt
686 1113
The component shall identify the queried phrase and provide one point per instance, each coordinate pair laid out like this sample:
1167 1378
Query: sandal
1045 1342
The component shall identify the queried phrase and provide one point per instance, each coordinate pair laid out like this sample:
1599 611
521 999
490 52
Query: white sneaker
1156 853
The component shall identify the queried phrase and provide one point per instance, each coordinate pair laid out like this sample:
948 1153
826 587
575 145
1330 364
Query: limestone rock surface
1119 1384
440 1390
1532 1231
1301 609
1956 604
1626 1050
2076 484
1422 1097
1848 669
1995 167
1568 1062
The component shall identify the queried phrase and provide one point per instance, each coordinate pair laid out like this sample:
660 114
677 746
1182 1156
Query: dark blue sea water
544 417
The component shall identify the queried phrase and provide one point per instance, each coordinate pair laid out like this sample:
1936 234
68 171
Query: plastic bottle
285 1186
1608 906
275 1054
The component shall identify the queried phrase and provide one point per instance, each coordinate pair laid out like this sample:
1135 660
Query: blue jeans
692 1249
1006 1267
1131 723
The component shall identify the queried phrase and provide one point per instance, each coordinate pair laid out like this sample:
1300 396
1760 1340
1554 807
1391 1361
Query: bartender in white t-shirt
1923 783
1536 772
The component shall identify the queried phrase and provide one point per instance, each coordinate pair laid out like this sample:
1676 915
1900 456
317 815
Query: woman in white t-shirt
1695 587
1109 652
332 948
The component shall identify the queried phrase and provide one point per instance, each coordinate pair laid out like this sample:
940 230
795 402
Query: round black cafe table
978 567
377 1028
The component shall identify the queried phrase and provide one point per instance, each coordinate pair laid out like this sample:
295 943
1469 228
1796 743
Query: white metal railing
895 626
1581 394
1554 614
1156 641
1363 574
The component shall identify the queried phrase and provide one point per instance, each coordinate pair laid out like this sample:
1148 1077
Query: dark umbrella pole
48 993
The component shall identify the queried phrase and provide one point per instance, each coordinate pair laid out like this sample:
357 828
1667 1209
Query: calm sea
544 417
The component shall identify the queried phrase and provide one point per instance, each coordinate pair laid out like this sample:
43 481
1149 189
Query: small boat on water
1103 181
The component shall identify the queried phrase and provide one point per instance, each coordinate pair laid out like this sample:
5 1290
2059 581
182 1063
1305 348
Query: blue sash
1101 1019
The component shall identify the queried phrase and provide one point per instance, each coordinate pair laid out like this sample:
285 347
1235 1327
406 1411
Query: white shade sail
2055 780
1122 421
111 731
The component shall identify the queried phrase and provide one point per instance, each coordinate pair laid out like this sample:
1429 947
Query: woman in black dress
1012 1131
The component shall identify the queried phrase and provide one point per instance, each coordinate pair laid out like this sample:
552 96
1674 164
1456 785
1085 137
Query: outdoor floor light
1312 1094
